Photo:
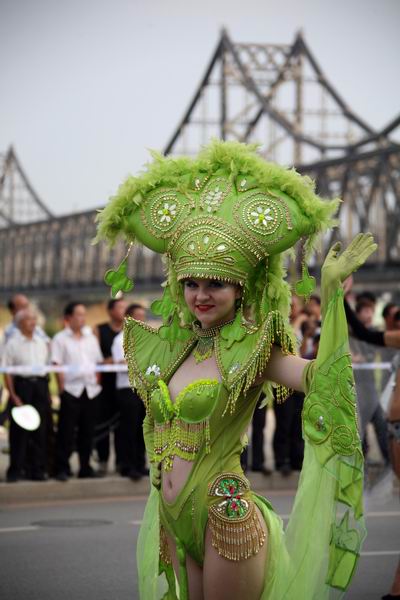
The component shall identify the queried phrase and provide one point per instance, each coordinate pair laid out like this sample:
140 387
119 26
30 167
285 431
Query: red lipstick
204 307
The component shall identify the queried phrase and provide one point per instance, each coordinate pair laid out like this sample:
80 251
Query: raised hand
337 267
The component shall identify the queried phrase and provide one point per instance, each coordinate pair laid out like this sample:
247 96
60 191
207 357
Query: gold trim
235 537
209 331
165 555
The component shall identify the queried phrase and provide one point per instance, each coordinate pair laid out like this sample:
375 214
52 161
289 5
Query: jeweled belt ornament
235 527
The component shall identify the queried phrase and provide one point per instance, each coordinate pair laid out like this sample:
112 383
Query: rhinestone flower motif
261 216
234 368
213 198
153 370
233 505
167 212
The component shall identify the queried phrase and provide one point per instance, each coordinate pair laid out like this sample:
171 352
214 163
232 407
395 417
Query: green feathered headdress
226 214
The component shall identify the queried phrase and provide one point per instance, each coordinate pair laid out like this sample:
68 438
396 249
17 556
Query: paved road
85 550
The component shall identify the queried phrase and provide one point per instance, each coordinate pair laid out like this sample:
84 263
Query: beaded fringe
165 556
181 439
236 539
274 332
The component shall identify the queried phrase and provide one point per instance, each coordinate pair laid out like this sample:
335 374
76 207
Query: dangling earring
306 285
118 279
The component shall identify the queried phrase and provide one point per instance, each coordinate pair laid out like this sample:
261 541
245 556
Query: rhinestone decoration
261 216
153 370
200 182
231 488
234 368
235 528
163 212
214 194
262 213
167 213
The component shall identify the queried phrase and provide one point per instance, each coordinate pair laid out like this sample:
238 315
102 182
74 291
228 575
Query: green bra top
193 404
182 427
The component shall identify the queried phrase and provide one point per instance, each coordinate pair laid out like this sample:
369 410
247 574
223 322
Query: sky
88 86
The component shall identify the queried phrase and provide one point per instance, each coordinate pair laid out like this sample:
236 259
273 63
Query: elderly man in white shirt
132 411
17 303
77 347
28 349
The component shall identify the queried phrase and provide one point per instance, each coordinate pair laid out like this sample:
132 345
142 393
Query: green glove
337 268
155 466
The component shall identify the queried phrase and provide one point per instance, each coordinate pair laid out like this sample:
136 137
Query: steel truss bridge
273 94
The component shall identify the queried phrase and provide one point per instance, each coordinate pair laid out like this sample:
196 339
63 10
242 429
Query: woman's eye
190 284
217 284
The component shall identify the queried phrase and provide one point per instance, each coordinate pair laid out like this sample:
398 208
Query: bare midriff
174 480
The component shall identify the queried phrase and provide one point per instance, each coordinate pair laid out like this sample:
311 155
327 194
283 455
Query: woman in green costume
223 222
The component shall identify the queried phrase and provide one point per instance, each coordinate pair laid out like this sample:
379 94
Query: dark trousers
379 423
288 441
107 420
257 436
132 413
28 448
257 439
75 413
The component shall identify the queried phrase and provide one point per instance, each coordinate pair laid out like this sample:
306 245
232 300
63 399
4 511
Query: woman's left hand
337 268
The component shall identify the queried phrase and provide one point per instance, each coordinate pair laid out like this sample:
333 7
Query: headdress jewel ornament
226 215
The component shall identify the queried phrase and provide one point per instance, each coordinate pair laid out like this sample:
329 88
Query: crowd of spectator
91 404
100 409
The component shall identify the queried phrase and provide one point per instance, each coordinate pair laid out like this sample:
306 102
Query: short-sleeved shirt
117 353
20 350
83 351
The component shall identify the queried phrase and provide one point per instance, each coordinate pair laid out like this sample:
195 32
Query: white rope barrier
39 371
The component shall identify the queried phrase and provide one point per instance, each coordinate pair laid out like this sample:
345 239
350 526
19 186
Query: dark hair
111 303
368 296
387 308
316 299
310 322
396 316
132 307
69 309
11 304
364 303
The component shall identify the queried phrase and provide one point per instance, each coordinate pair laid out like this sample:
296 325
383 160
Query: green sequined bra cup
180 428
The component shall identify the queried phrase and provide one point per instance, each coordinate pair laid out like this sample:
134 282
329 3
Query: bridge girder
249 92
19 202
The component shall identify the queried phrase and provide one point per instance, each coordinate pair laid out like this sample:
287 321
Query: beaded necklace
205 340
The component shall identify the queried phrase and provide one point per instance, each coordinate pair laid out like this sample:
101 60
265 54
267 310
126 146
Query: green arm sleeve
148 434
307 376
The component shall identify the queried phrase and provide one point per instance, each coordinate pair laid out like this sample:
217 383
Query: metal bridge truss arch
276 95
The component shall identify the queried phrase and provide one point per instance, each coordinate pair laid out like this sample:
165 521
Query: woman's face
212 302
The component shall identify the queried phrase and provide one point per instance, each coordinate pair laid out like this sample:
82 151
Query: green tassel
306 285
118 279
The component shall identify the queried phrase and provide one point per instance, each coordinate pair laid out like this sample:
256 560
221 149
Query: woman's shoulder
243 352
151 356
